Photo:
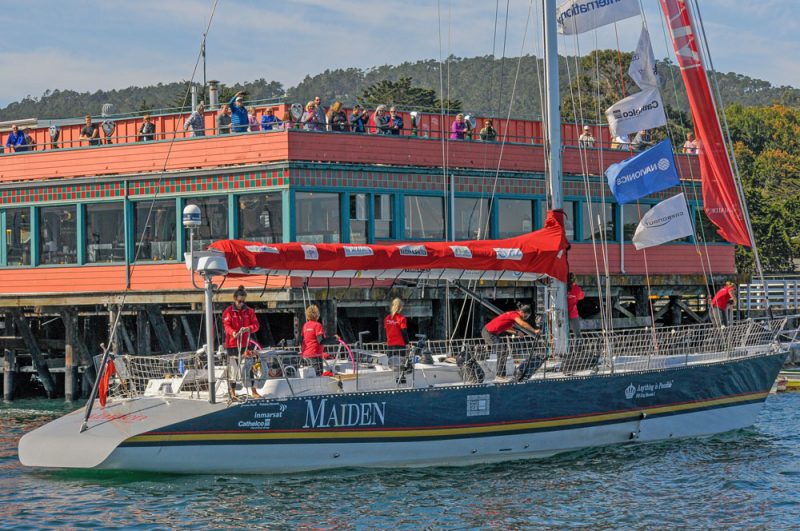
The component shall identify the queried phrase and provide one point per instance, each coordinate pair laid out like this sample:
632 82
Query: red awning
527 257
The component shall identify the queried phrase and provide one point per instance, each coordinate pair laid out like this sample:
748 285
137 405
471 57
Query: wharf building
84 229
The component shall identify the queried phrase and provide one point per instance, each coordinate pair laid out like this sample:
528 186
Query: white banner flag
637 112
643 63
667 221
577 16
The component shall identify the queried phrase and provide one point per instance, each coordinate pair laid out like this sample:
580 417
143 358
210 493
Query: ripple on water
744 479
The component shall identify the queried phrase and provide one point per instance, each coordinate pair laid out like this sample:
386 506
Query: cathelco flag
643 110
667 221
577 16
646 173
643 63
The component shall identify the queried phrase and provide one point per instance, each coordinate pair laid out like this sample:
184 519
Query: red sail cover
721 202
527 257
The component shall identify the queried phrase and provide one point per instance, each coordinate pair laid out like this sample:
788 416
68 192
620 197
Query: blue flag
646 173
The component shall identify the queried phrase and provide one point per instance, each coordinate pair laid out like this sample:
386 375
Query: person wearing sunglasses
240 322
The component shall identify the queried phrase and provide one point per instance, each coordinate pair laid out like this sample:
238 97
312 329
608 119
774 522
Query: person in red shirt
724 298
505 323
313 336
396 329
574 294
240 321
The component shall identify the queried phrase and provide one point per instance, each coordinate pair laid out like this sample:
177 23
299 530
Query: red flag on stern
103 389
720 198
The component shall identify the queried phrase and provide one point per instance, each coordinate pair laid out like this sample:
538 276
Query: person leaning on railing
147 130
337 118
224 120
395 122
196 122
16 140
269 121
359 120
488 133
90 132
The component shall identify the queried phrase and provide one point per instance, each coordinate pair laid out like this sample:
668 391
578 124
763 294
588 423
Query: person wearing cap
239 119
586 140
269 120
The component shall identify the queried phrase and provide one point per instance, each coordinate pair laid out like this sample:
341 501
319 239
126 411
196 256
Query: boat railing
594 352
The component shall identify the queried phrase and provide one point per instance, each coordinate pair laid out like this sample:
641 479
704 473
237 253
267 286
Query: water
745 479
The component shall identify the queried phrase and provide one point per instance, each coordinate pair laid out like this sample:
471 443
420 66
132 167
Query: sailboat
170 413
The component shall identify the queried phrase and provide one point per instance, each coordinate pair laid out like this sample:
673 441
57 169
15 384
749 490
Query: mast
557 292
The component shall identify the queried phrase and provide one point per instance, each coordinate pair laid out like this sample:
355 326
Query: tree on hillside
399 93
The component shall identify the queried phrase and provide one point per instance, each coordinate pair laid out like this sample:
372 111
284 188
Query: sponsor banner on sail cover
578 16
646 173
643 63
637 112
669 220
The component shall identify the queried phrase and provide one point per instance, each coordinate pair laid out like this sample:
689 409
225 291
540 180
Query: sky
87 45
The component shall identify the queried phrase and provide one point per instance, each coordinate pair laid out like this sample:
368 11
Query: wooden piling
42 370
160 328
142 334
187 330
9 370
71 353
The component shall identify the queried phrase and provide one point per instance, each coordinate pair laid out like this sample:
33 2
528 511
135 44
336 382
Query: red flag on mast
720 198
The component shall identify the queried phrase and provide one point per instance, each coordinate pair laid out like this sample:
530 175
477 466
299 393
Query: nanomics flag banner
578 16
643 63
643 110
669 220
647 173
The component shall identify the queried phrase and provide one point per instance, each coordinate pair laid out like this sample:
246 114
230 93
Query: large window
704 229
631 214
598 221
359 217
261 217
214 216
569 218
317 218
155 238
514 217
424 217
470 216
58 240
383 217
18 236
105 233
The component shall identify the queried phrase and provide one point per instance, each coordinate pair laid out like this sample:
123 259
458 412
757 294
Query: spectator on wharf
147 130
90 132
359 119
337 118
309 119
30 142
488 133
621 143
642 141
586 140
690 146
395 122
269 120
224 120
287 121
196 121
574 294
725 298
458 129
319 115
15 140
252 120
239 119
380 121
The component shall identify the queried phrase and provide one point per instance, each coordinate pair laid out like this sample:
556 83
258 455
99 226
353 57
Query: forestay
526 257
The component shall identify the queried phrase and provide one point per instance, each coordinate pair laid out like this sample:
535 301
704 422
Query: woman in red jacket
396 329
313 336
239 321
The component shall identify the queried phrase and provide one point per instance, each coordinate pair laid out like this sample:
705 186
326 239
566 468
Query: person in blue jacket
269 121
239 119
16 140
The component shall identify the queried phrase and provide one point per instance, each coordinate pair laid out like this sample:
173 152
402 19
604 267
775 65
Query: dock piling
9 370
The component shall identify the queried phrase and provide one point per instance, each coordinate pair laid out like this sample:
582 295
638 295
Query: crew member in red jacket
396 329
574 294
505 323
724 298
240 322
313 335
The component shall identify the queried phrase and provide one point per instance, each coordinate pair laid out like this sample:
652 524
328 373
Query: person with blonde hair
313 339
337 118
396 328
309 119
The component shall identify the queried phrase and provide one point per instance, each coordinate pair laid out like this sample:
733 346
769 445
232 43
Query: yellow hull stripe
440 432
